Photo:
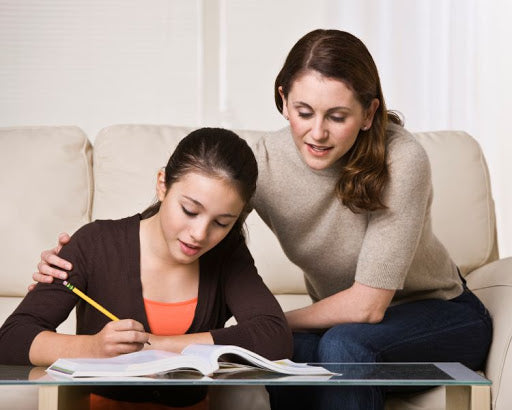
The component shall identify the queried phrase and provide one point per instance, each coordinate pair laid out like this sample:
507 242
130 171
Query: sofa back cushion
127 158
126 161
463 208
46 188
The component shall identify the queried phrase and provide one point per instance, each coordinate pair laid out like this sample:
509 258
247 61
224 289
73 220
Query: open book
203 358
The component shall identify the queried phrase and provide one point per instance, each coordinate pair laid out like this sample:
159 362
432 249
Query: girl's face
196 213
325 118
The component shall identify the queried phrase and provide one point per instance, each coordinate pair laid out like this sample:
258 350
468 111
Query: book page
142 363
213 352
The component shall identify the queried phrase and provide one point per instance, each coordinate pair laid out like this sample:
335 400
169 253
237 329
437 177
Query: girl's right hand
46 273
118 337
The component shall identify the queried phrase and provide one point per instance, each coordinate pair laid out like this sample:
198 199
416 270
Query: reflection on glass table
417 374
465 389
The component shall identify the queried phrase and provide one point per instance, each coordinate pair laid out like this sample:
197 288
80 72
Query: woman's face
196 213
325 118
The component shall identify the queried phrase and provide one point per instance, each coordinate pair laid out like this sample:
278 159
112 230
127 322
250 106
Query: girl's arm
357 304
178 343
29 336
124 336
261 324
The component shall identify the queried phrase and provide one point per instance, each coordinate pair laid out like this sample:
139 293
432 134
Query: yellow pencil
89 300
92 302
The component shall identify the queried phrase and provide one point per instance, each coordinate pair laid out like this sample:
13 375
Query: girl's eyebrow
196 202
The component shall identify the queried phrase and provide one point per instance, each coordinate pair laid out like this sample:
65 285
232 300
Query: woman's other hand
45 271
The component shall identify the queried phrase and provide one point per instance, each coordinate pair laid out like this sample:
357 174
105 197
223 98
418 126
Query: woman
174 274
384 288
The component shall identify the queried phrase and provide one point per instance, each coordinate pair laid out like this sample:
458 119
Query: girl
174 273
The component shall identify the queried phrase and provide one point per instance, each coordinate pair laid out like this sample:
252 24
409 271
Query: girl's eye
338 119
305 114
187 212
221 224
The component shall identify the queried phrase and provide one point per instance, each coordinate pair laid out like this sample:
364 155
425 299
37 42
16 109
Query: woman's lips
318 150
189 249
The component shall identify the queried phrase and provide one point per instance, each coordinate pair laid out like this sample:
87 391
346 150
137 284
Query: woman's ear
161 188
370 113
286 115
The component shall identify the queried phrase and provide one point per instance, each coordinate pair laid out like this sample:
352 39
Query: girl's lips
317 151
188 249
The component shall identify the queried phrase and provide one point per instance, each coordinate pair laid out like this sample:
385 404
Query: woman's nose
318 131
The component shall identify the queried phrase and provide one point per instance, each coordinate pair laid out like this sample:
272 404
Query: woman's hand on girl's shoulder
47 268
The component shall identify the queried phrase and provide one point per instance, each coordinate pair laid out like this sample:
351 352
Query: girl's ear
286 115
161 188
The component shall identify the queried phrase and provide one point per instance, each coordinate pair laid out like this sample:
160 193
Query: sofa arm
492 283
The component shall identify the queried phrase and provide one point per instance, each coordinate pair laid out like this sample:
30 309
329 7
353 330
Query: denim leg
433 330
305 346
458 330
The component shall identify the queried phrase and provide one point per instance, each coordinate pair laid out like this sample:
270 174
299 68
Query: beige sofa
52 180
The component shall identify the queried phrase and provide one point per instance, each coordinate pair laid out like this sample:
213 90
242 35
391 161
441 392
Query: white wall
444 64
92 63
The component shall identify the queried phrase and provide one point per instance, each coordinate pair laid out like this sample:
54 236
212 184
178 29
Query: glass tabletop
384 374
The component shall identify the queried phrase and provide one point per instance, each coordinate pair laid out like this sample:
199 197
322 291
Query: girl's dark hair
218 153
341 56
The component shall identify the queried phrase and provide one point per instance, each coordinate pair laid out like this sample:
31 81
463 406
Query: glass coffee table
465 389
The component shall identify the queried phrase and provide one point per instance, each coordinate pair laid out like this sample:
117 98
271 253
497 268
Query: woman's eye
305 114
338 119
187 212
221 224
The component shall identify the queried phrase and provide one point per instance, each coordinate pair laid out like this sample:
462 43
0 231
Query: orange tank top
169 319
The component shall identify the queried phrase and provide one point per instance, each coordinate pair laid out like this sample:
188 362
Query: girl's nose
199 231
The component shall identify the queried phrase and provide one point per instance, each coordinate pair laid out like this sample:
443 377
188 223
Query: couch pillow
46 188
126 161
463 208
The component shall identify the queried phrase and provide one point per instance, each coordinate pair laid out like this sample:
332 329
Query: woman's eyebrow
333 109
340 108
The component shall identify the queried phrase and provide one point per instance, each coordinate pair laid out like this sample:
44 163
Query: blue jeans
431 330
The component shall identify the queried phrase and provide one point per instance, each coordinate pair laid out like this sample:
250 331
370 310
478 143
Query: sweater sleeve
261 325
393 234
45 307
